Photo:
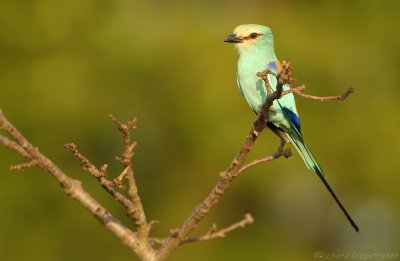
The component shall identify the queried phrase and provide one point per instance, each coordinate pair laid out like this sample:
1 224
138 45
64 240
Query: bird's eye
253 35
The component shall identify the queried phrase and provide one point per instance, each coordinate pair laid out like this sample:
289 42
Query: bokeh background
64 65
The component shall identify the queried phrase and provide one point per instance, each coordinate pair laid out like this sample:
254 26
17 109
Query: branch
74 189
227 176
138 214
101 177
340 97
23 166
280 152
133 205
293 89
214 233
211 234
139 241
6 142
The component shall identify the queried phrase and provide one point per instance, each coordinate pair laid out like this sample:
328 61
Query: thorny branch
139 241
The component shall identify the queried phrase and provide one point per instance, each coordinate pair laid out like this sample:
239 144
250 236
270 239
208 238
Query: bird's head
248 37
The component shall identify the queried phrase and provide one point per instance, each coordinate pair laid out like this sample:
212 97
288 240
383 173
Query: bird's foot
281 152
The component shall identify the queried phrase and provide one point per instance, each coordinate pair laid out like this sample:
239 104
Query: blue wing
293 118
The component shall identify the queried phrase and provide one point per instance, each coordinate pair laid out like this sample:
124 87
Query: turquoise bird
255 44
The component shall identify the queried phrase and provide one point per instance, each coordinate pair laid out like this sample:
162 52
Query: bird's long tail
312 164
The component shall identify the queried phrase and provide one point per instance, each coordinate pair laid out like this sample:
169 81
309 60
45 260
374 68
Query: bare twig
286 153
214 233
25 165
340 97
120 178
100 176
86 164
6 142
138 214
211 234
74 189
293 89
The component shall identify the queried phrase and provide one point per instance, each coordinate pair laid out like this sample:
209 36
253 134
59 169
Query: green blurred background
65 64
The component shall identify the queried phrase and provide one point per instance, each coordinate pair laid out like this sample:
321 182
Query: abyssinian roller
255 44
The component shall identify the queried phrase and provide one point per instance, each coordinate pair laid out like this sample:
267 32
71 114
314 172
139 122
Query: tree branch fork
123 187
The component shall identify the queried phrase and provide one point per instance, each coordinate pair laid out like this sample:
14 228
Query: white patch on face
241 47
244 32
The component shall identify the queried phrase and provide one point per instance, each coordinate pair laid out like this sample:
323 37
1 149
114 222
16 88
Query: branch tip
124 127
152 224
249 218
23 166
119 179
213 232
104 169
71 147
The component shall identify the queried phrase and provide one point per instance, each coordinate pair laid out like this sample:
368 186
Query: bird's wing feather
290 121
286 103
238 84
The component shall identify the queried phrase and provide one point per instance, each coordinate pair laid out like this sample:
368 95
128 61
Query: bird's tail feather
312 164
304 151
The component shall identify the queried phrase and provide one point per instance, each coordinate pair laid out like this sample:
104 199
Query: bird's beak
233 38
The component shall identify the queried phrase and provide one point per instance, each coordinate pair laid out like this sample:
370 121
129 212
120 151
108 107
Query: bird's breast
252 86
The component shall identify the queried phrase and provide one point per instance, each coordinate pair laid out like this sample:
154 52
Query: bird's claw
281 152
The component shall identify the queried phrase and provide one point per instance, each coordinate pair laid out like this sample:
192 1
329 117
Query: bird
255 44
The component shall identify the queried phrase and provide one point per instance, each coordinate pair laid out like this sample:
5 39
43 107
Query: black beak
233 39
